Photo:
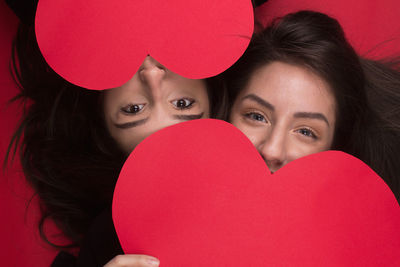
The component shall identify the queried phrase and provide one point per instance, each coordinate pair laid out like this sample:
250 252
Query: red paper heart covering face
199 194
100 44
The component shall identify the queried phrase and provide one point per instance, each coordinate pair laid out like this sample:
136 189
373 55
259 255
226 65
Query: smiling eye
255 117
133 109
307 132
183 103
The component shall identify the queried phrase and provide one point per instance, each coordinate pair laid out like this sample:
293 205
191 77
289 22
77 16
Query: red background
372 26
20 241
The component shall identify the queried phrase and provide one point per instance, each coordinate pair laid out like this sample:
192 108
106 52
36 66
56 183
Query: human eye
183 103
254 116
133 109
307 133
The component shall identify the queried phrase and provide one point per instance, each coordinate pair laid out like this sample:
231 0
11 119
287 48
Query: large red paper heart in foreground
100 44
199 194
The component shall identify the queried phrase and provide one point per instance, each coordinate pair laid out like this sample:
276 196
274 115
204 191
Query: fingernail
153 261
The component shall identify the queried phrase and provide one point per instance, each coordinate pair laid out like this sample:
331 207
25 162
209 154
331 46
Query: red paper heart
199 194
100 44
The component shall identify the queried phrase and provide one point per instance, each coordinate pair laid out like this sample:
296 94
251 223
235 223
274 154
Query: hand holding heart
199 194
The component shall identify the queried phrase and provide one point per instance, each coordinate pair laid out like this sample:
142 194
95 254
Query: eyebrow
259 101
266 104
141 122
189 117
130 124
311 115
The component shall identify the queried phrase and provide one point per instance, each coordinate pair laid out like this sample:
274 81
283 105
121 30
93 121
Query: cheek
297 148
252 133
126 140
206 108
237 121
234 118
110 100
205 104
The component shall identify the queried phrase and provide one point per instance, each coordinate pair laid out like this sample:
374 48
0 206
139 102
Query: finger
133 261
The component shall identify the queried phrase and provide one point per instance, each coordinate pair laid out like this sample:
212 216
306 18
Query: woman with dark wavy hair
73 141
71 153
300 88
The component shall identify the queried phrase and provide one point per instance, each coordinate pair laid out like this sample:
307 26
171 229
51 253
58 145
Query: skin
153 99
287 112
133 261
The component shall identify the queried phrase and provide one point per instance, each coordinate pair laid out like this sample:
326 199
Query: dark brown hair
66 152
367 92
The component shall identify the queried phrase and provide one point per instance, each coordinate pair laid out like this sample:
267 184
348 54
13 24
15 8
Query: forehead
290 86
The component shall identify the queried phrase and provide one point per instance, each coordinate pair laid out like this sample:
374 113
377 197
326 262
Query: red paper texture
372 27
100 44
368 23
20 244
199 194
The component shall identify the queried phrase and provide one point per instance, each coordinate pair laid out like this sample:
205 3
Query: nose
272 149
151 72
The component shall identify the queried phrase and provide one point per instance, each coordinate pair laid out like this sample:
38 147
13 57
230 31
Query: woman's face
153 99
287 112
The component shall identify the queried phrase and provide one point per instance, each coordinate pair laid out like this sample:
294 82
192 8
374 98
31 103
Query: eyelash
310 133
138 108
187 101
251 116
303 131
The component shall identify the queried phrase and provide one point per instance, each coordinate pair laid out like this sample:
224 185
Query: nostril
158 65
150 62
274 165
